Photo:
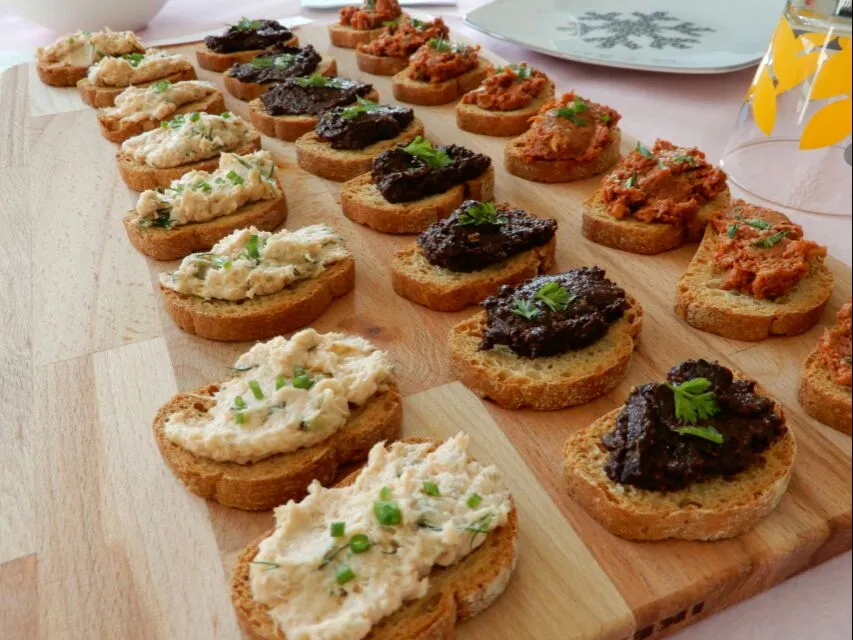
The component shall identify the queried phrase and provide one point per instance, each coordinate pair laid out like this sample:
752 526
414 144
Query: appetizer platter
124 335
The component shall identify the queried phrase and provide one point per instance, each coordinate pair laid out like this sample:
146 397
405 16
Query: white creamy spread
83 48
188 138
199 196
323 587
287 394
157 101
136 68
249 263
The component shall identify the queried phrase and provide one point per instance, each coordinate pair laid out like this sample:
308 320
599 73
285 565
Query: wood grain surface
98 539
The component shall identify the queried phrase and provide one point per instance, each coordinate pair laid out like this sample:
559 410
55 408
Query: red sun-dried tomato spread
371 14
835 347
402 39
508 88
439 60
664 184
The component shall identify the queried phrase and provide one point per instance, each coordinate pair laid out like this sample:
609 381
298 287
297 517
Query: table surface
698 110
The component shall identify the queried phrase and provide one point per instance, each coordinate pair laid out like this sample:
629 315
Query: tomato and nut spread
701 423
665 184
508 88
278 63
570 128
362 124
249 35
552 314
761 253
440 59
480 234
370 15
312 95
835 347
402 38
418 169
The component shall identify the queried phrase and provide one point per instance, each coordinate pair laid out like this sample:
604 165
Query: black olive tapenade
299 96
248 36
357 128
278 63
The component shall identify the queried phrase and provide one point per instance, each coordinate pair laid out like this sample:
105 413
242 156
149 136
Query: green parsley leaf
134 58
161 86
605 118
554 296
362 106
525 309
434 157
731 232
708 433
631 182
693 400
573 110
643 151
420 25
521 71
771 241
162 221
268 62
247 25
479 213
758 223
317 81
685 158
253 247
440 44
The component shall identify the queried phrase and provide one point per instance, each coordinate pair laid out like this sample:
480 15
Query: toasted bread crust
470 117
97 96
362 203
220 62
379 65
274 480
437 93
251 90
56 75
348 38
559 170
824 399
566 380
263 317
415 279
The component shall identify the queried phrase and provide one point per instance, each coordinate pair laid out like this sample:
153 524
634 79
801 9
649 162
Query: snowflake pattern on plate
662 28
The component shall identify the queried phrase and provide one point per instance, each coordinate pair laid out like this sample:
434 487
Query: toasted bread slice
546 383
220 62
139 176
362 203
379 65
823 398
60 75
437 93
348 38
98 96
646 238
251 90
456 593
710 510
470 117
273 481
317 157
117 130
287 128
559 170
701 301
443 290
265 316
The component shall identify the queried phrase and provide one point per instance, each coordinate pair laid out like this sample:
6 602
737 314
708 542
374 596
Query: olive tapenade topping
700 423
278 63
550 315
418 169
312 95
480 234
362 124
248 35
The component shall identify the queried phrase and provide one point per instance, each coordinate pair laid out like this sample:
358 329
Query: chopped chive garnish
731 232
239 417
235 177
344 574
301 379
771 241
474 501
338 529
279 382
195 116
631 182
643 151
256 389
387 513
239 402
431 489
758 223
385 493
359 543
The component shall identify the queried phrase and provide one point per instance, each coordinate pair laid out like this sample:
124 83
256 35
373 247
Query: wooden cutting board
98 539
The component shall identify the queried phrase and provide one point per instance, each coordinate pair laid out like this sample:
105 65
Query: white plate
673 36
336 4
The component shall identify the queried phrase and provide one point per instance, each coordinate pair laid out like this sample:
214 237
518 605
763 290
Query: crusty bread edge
822 398
219 62
502 124
248 91
100 97
552 171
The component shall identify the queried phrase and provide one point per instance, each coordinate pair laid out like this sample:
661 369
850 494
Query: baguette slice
273 481
251 90
823 398
265 316
362 203
220 62
710 510
456 593
437 93
139 176
348 38
443 290
646 238
379 65
317 157
116 130
60 75
470 117
546 383
559 170
731 314
287 127
99 97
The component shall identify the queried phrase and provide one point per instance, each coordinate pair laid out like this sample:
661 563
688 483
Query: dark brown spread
278 63
402 38
311 95
248 35
836 346
647 450
417 170
480 234
549 315
370 15
439 60
362 124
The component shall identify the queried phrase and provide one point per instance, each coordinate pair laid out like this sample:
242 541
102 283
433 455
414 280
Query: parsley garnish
573 110
757 223
522 71
134 58
685 158
389 23
771 241
253 247
226 115
525 308
479 213
245 24
420 25
434 157
643 151
363 106
161 86
605 118
268 62
707 433
731 232
554 296
316 80
693 400
439 44
631 182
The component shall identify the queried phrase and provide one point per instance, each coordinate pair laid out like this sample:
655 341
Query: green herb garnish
268 565
268 62
420 25
279 382
605 118
431 489
301 379
707 433
573 110
256 389
242 369
521 71
239 402
474 501
479 213
195 116
771 241
362 106
525 308
693 400
163 219
554 296
245 24
631 182
134 58
253 246
344 574
338 530
239 417
385 493
226 115
758 223
731 232
434 157
480 526
161 86
387 512
359 543
440 44
235 178
643 151
316 80
389 23
685 158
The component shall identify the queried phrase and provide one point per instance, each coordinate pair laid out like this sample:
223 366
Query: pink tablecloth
695 110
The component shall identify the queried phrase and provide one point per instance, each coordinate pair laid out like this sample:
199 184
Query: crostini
827 378
505 101
466 257
293 107
754 276
346 139
187 142
66 61
242 42
248 80
292 411
410 186
254 284
552 342
199 209
704 455
110 76
361 24
569 139
655 199
439 72
389 53
422 537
